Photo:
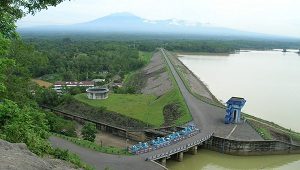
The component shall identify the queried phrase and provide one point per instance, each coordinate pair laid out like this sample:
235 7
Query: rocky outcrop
18 157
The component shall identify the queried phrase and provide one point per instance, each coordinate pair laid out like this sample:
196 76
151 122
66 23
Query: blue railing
159 142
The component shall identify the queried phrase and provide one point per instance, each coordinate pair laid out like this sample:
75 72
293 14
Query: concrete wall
235 147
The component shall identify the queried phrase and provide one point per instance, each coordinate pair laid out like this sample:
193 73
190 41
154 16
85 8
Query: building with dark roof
74 84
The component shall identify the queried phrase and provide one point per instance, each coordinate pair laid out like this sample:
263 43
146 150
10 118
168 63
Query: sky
278 17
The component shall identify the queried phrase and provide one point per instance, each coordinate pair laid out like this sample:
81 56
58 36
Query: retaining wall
236 147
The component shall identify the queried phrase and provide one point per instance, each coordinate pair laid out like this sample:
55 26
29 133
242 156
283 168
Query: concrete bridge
176 151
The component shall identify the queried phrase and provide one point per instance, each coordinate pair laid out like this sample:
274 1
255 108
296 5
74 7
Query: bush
89 131
59 125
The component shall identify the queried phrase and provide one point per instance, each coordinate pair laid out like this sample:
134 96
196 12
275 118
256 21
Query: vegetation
145 57
20 119
147 108
59 125
26 125
89 131
71 60
94 146
269 130
100 114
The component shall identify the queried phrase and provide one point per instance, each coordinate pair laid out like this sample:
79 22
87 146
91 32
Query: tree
4 45
4 65
24 125
47 97
89 132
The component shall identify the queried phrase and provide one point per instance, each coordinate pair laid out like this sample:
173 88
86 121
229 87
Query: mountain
129 23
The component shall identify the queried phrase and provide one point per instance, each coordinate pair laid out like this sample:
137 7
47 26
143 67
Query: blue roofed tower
233 110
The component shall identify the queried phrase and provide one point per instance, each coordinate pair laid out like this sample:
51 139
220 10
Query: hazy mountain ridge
129 23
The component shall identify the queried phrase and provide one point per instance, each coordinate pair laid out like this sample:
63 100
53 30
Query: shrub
89 131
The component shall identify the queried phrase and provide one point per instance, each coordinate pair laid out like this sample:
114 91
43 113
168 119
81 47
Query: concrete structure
97 93
248 147
233 110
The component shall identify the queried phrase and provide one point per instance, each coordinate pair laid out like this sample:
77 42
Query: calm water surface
269 81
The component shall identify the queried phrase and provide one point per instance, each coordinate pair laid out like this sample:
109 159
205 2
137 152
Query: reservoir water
269 81
210 160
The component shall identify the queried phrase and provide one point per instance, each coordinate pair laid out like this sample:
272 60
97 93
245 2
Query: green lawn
139 106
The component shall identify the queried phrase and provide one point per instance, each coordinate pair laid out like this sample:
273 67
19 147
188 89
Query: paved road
101 160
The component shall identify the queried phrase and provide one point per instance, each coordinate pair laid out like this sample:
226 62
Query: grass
186 116
262 126
94 146
42 83
146 108
145 56
264 133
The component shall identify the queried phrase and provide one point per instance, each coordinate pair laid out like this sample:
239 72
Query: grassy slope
147 108
186 115
145 56
139 106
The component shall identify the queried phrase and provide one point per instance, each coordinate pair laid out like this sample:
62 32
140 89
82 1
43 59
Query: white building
97 93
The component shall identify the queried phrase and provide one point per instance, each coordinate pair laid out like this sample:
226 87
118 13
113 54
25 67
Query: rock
18 157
